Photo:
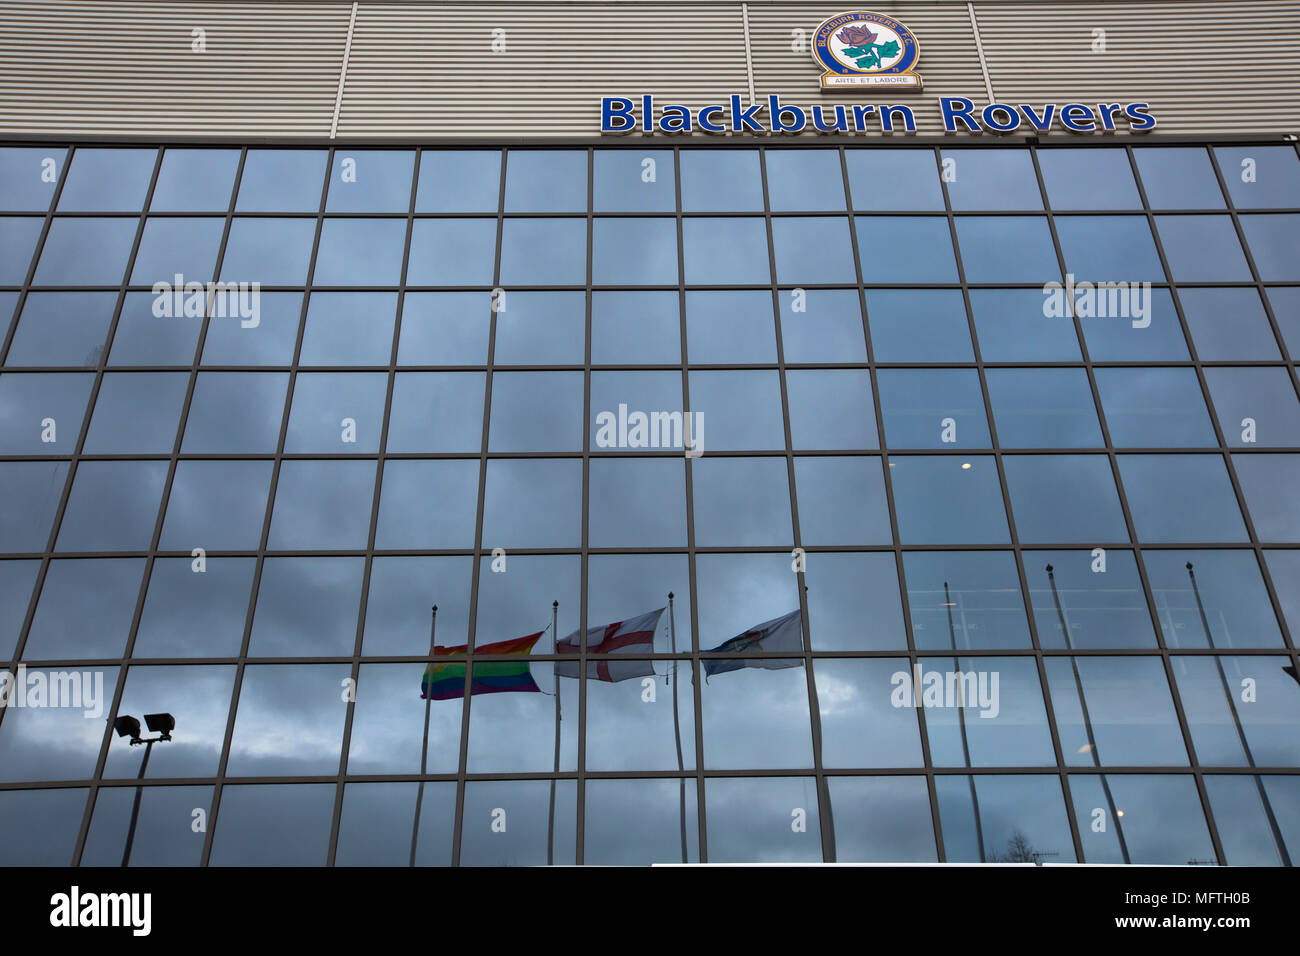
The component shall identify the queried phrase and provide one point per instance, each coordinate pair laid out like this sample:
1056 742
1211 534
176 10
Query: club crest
859 50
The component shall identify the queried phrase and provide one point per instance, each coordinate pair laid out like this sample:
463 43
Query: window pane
543 180
23 183
402 591
634 252
1163 821
620 586
1109 249
28 399
83 252
527 802
349 328
62 328
1272 240
269 341
536 411
113 506
269 251
992 179
307 607
544 252
853 602
741 501
825 326
198 697
540 328
898 249
658 488
408 519
1154 407
1239 816
749 820
445 328
730 327
831 408
1284 568
25 751
516 732
741 409
455 252
1066 498
1178 178
812 249
1228 325
1265 396
436 412
1088 179
630 328
533 504
939 501
804 179
143 338
646 393
384 740
1276 180
137 413
634 180
1154 335
322 504
1163 490
756 717
1011 327
853 694
1220 714
969 600
360 252
177 246
156 842
1043 408
16 581
217 505
918 325
725 251
32 490
1007 249
107 180
340 412
933 408
721 180
273 825
282 180
629 733
289 721
1088 600
459 180
18 241
1020 818
78 590
882 820
370 181
195 614
980 711
1128 716
637 822
841 501
1268 483
912 175
1202 249
195 180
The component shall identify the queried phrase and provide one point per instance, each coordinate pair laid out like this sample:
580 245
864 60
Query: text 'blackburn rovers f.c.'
859 50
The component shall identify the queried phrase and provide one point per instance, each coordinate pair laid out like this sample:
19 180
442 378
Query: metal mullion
581 784
825 820
344 751
476 570
895 546
692 551
272 490
1129 523
119 684
1016 547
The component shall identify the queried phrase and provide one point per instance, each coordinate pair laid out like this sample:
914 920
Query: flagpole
677 727
555 638
961 720
1236 720
1087 720
424 748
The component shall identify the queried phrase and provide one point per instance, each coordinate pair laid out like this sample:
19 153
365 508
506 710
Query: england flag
633 636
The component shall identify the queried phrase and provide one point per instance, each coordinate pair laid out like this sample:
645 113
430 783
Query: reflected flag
779 634
447 681
633 636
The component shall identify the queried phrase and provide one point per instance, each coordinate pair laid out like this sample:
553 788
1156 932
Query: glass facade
1045 559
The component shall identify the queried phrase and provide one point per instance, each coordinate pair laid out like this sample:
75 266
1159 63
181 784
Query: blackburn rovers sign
866 50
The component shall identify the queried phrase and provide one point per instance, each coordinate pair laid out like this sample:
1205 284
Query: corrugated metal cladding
424 70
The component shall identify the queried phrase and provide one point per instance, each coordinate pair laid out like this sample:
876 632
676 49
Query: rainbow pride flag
447 681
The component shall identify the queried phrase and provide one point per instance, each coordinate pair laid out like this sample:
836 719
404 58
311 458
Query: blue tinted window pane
155 843
721 180
1043 408
459 181
533 504
370 181
1090 601
217 505
828 328
933 408
1239 815
1275 179
1218 718
659 487
536 411
265 338
32 496
634 252
276 825
1126 710
107 180
546 181
544 252
322 505
898 249
634 180
453 484
538 328
730 328
281 180
804 179
1273 241
1227 585
269 251
1178 178
177 246
102 590
85 252
445 328
992 179
1266 396
912 174
348 328
1202 249
277 704
436 412
452 252
1109 249
1228 325
631 327
1007 249
18 239
969 600
402 591
25 751
27 400
360 252
1163 823
1012 327
1151 330
1268 483
1154 408
865 686
137 413
113 506
842 502
339 412
741 501
195 614
725 251
195 180
941 502
1065 498
812 250
1088 179
1003 819
918 325
649 393
1001 727
1163 490
830 408
27 182
741 410
771 736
